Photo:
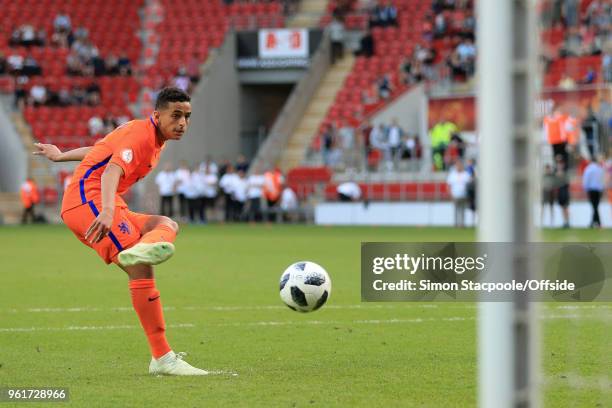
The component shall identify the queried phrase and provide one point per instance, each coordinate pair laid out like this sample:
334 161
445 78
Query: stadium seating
392 45
112 27
208 21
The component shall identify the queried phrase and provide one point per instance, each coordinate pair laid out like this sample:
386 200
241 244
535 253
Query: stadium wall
13 155
215 124
437 214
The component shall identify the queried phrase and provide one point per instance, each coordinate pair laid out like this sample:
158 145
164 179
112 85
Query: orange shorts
125 232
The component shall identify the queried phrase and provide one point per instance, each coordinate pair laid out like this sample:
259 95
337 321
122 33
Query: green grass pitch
66 321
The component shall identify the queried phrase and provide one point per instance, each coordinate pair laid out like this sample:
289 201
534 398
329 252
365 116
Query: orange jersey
132 146
553 126
29 194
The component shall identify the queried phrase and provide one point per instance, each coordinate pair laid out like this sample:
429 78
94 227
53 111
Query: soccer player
93 209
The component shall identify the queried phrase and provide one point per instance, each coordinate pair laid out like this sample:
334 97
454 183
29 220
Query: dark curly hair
170 94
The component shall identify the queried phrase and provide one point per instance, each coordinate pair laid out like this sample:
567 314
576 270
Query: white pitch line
366 306
85 328
286 323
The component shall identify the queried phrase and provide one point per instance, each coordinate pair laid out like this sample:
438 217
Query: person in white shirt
182 175
288 203
209 165
227 184
239 194
349 191
395 140
198 181
191 191
458 180
256 182
165 181
209 191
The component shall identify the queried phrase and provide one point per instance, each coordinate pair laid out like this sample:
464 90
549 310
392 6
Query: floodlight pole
507 349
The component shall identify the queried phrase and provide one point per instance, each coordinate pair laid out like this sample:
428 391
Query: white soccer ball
305 286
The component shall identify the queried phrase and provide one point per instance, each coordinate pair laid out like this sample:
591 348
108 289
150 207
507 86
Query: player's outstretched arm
104 221
53 153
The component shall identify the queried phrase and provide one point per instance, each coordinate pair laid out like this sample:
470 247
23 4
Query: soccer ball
305 286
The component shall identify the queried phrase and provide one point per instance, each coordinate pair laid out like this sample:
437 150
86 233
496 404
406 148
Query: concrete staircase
10 208
308 15
39 168
297 147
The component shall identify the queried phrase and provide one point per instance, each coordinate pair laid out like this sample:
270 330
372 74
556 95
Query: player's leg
156 243
147 304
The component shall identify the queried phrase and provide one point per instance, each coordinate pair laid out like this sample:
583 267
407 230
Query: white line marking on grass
85 328
288 323
573 380
88 309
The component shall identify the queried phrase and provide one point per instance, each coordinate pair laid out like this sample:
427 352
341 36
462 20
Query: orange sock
146 302
161 233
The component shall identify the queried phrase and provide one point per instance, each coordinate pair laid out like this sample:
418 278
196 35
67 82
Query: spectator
553 130
369 96
74 66
166 181
191 192
241 187
28 35
111 64
366 45
255 185
336 31
439 25
3 64
441 135
395 136
567 83
288 204
21 95
15 64
348 191
15 40
79 96
93 94
62 23
125 65
209 191
193 68
182 80
242 164
328 144
458 180
182 175
29 199
388 15
589 77
209 165
38 95
273 183
563 190
41 38
385 88
378 137
571 8
30 66
548 193
591 129
227 184
96 126
594 185
411 147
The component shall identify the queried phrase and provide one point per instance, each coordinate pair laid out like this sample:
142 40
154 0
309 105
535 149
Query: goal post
507 75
